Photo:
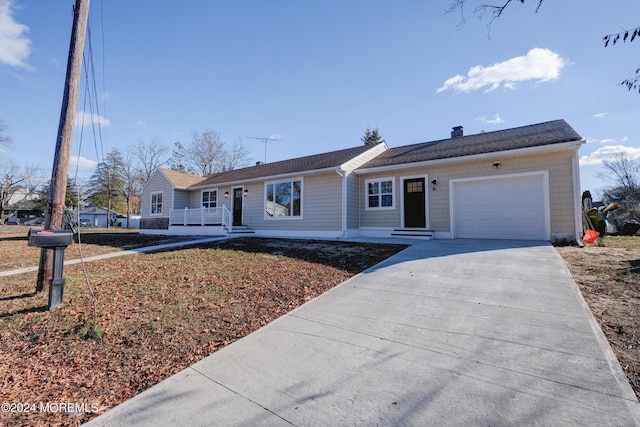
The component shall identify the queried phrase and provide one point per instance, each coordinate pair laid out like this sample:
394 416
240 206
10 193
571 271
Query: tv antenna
265 140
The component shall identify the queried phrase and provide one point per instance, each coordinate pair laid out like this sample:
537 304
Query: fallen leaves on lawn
157 314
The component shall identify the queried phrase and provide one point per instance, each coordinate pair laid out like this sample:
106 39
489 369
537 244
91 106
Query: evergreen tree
106 185
372 137
179 158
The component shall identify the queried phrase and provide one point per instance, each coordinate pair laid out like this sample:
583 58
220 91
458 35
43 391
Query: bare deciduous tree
621 171
206 152
18 185
237 156
148 156
209 154
623 174
133 180
5 139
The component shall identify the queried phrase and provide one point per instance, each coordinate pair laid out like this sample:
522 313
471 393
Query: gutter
343 174
577 196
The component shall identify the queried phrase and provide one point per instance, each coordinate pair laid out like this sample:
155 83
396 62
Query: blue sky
317 74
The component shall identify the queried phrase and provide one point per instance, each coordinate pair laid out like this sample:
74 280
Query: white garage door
500 208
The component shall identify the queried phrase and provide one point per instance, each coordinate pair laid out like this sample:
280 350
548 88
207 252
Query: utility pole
60 172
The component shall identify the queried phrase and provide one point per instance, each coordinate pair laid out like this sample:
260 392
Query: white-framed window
283 199
156 203
210 199
379 194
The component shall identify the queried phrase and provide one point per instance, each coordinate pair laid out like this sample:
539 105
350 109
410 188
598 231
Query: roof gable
536 135
181 179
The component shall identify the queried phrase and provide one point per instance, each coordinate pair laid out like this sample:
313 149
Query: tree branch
494 10
624 34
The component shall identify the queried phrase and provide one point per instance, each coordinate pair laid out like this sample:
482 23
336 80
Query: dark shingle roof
301 164
536 135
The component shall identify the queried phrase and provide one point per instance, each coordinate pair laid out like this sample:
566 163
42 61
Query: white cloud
599 115
606 140
15 47
607 153
82 163
495 120
538 64
85 119
141 124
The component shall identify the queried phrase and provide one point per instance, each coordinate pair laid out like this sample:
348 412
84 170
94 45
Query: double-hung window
283 199
379 193
210 199
156 203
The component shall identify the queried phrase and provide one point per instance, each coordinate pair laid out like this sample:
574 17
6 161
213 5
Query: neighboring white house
520 183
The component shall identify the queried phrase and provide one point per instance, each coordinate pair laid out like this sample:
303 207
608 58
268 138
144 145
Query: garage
505 207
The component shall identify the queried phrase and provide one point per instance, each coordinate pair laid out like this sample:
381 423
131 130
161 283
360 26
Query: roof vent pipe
457 132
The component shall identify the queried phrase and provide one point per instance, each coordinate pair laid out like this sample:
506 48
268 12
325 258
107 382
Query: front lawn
156 314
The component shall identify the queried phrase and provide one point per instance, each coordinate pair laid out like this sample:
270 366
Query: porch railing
227 219
202 216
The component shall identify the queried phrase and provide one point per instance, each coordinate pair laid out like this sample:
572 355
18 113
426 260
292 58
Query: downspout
343 174
577 212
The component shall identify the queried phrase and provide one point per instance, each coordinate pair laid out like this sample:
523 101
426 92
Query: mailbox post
57 240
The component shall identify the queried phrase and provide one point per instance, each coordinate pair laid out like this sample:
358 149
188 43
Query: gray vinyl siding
157 183
181 199
353 202
388 218
323 202
321 206
558 164
195 199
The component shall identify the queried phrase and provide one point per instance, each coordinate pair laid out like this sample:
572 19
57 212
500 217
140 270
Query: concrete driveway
446 333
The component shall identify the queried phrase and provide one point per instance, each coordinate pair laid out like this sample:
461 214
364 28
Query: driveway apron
445 333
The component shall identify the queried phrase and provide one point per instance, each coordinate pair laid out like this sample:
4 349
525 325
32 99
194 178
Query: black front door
414 203
237 206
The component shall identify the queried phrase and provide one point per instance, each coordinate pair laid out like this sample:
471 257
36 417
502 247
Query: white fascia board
564 146
350 165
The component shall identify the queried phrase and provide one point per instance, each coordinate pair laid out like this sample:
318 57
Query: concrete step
414 233
240 229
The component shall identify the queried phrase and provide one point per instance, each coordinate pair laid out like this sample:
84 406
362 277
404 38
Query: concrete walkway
448 332
119 254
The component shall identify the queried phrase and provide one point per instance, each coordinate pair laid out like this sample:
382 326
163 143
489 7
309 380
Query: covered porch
218 216
216 221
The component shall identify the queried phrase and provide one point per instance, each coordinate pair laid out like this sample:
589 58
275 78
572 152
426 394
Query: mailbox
57 240
50 238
